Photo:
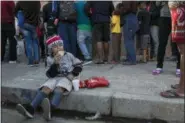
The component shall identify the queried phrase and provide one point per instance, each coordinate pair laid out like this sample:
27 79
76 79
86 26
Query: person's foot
46 109
178 72
12 62
157 71
26 110
172 94
128 63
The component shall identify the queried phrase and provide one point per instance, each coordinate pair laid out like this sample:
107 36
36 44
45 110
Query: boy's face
56 49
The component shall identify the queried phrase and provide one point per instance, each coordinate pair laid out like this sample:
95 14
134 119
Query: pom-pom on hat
54 41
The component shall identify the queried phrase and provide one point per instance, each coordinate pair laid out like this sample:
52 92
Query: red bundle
94 82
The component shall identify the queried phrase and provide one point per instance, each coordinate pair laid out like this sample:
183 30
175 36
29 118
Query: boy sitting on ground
64 67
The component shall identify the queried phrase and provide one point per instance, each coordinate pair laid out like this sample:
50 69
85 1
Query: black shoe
46 107
26 110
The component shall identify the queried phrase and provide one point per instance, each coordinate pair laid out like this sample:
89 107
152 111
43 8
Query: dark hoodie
7 11
101 11
31 11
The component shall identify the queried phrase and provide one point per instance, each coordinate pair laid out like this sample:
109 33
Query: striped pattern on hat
53 41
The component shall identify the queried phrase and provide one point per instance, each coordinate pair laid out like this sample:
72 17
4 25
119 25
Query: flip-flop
175 86
171 94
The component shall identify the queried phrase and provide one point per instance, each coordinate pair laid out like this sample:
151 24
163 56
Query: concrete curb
108 103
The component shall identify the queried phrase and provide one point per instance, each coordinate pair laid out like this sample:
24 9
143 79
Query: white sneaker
12 62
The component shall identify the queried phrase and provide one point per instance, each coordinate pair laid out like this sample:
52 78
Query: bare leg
100 52
181 88
106 51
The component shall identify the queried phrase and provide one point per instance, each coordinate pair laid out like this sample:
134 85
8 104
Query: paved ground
133 90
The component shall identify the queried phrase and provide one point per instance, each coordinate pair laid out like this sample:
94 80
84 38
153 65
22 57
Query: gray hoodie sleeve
74 60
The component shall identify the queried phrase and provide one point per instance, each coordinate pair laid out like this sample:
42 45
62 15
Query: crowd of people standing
92 30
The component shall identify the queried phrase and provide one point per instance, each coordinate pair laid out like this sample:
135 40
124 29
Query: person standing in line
66 22
8 30
130 28
116 35
164 32
177 9
101 11
84 35
31 11
144 30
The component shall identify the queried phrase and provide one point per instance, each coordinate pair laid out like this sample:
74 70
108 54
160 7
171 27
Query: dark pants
68 33
8 32
42 47
174 48
164 31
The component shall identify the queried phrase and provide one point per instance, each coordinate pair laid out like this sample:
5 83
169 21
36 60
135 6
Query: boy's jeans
84 39
32 46
129 29
67 32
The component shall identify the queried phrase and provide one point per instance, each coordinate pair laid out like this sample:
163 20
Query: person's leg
164 31
28 109
174 51
42 46
97 30
73 38
3 41
106 39
89 42
179 89
12 43
63 32
28 42
155 38
130 46
81 38
178 55
36 50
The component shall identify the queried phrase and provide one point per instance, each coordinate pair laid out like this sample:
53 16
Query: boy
63 69
116 35
144 29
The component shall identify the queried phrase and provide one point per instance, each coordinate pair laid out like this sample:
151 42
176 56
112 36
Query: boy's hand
57 58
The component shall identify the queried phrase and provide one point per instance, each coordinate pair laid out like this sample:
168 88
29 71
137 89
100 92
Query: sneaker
178 72
157 71
25 110
12 62
46 109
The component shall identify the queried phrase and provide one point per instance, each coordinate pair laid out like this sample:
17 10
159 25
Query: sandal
157 72
171 94
176 86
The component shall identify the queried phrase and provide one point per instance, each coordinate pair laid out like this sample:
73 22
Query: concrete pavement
133 90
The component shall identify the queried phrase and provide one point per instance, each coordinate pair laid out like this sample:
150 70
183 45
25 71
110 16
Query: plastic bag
94 82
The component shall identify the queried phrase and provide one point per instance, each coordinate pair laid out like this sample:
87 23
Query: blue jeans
129 29
32 46
84 39
67 32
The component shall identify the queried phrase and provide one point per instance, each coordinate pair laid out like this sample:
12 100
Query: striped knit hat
54 41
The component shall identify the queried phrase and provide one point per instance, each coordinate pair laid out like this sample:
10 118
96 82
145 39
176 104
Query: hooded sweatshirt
7 11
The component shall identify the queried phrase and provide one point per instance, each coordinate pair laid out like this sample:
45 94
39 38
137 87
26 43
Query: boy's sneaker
12 62
157 71
25 110
46 107
178 72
